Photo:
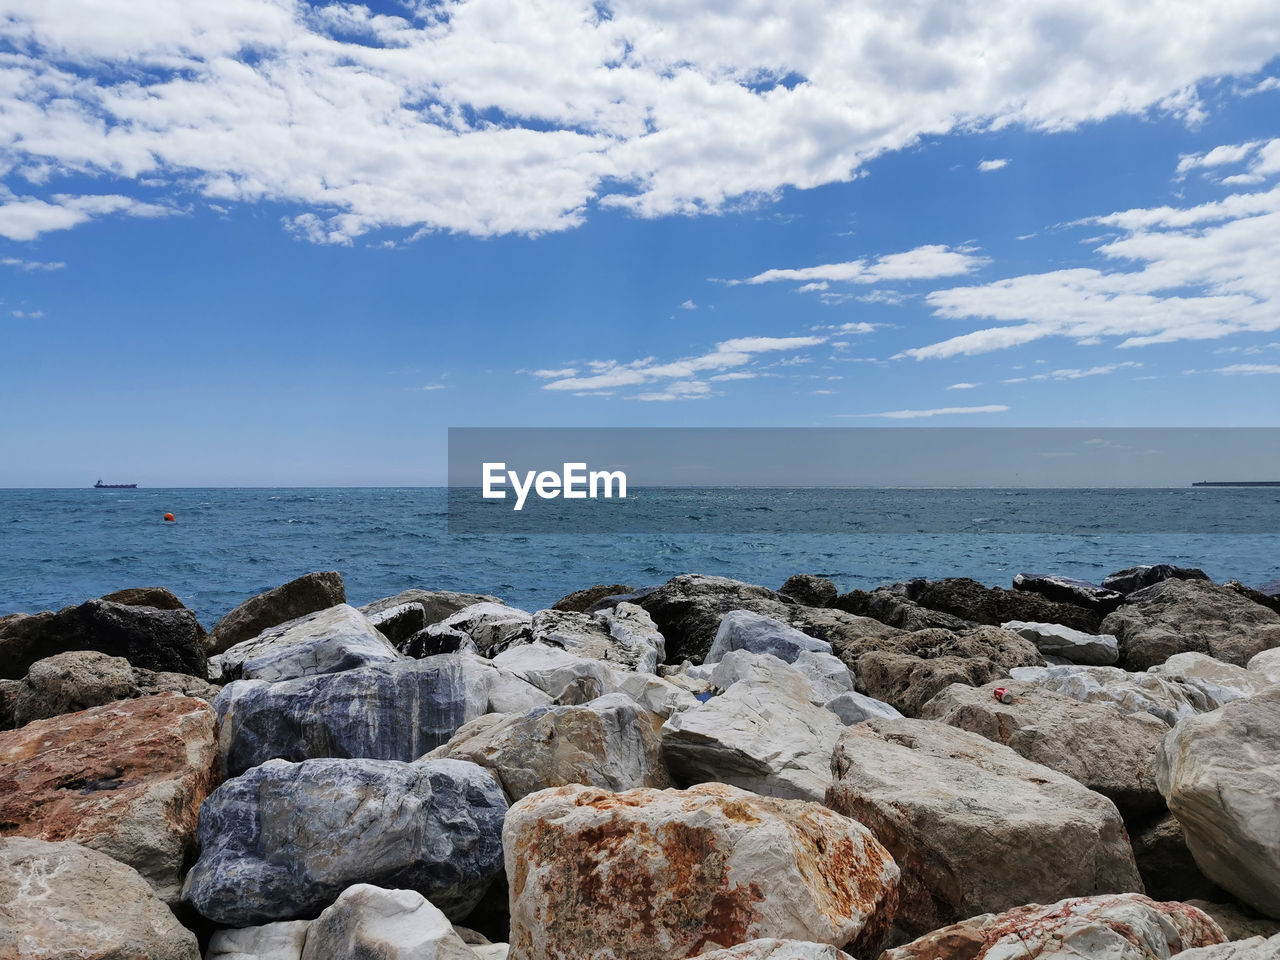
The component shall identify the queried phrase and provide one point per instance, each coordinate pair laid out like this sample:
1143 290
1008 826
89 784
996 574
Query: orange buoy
168 518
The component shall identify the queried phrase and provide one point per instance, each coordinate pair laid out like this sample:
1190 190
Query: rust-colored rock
668 874
124 778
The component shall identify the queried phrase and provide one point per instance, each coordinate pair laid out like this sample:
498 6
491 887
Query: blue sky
267 242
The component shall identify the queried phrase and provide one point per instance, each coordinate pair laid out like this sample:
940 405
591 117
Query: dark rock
891 605
1130 579
1169 872
580 600
284 839
306 594
165 640
609 602
1269 600
810 590
970 600
161 598
437 605
1069 590
9 690
398 623
431 643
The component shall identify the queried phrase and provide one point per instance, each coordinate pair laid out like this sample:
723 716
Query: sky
266 242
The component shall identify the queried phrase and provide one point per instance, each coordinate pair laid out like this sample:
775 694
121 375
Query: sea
62 546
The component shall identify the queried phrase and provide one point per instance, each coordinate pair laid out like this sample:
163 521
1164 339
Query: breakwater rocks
931 770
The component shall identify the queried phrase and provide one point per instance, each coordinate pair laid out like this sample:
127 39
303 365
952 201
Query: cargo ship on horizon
114 486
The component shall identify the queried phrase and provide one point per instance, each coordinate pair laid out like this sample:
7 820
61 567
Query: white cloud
431 386
1216 157
936 412
680 390
823 393
688 305
498 116
858 327
551 374
923 263
1249 369
736 375
27 217
986 166
963 386
30 265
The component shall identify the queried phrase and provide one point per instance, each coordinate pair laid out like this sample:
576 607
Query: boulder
1190 616
662 875
1094 744
1082 593
624 637
367 921
809 590
974 827
437 605
1055 640
1238 922
309 593
659 695
126 778
271 941
580 600
85 678
854 708
1220 774
608 743
826 676
9 690
385 711
1133 579
891 605
63 901
1267 663
398 623
1255 948
773 949
166 640
1168 870
971 600
1125 926
161 598
492 627
1219 682
1269 600
330 641
281 841
764 734
1143 692
744 630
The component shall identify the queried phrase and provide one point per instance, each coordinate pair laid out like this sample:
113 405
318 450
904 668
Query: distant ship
114 486
1237 483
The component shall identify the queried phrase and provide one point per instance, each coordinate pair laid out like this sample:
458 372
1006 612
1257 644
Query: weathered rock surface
368 921
774 949
1151 693
283 940
127 779
1219 682
624 637
329 641
1267 663
974 827
1255 948
1168 870
1269 600
661 875
608 743
437 605
164 640
63 901
971 600
1069 590
1094 744
85 678
161 598
764 734
492 627
1191 616
1220 773
398 623
1055 640
580 600
891 605
9 690
853 708
557 672
309 593
744 630
1133 579
1238 922
284 839
809 590
385 711
1126 926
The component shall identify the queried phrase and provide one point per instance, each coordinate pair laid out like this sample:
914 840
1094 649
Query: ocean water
63 546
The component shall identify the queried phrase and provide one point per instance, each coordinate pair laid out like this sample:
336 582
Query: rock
271 941
1269 600
63 901
398 623
1132 579
284 839
1219 682
658 695
854 708
1220 774
168 640
1168 870
1094 744
1053 639
85 678
826 676
891 605
1190 616
310 593
974 827
9 691
1255 948
159 597
432 642
555 671
774 949
1267 663
330 641
624 637
492 627
1125 926
969 599
661 875
126 778
1082 593
608 743
385 711
763 734
1129 692
367 921
744 630
1238 923
437 605
580 600
809 590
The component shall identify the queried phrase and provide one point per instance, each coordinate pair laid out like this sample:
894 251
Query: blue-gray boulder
328 641
744 630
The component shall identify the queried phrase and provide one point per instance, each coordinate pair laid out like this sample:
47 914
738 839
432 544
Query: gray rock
437 605
1168 870
1069 590
1237 922
385 711
309 593
62 901
367 921
1145 692
1132 579
854 708
807 589
1269 600
554 671
9 690
271 941
580 600
284 839
774 949
624 637
826 676
891 605
971 600
329 641
1219 682
398 623
1255 948
492 627
744 630
1267 663
1076 646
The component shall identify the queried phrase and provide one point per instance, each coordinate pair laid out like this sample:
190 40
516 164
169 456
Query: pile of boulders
931 770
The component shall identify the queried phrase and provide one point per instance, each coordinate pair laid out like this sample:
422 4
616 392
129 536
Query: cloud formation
936 412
